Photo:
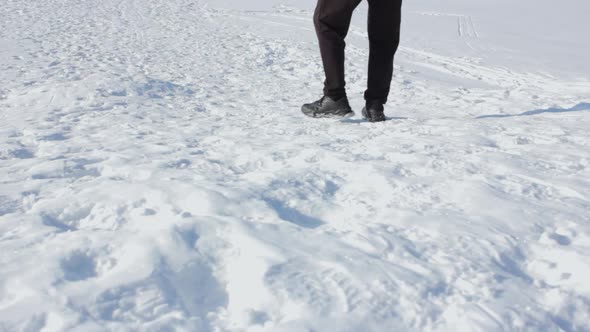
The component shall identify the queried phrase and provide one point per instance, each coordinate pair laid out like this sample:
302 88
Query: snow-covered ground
156 173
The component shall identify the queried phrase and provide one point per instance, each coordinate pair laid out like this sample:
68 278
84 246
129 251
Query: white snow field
156 173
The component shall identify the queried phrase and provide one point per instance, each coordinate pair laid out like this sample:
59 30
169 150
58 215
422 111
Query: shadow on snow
578 108
292 215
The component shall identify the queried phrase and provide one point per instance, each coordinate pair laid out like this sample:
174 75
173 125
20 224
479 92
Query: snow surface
156 173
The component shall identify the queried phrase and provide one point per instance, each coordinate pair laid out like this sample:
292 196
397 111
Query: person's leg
384 35
332 20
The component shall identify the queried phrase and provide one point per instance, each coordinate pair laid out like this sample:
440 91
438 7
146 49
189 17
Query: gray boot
326 107
374 112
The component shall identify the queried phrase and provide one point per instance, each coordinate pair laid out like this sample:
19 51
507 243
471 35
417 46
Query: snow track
149 181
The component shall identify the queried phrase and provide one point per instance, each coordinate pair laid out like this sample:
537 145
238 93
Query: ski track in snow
149 181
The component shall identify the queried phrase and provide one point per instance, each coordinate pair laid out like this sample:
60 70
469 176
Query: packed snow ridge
156 173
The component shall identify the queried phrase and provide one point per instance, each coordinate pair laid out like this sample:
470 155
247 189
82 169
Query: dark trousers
332 20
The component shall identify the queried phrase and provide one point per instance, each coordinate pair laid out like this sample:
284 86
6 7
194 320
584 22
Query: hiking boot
374 112
327 107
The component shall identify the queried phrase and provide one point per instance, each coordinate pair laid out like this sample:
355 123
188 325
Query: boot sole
311 114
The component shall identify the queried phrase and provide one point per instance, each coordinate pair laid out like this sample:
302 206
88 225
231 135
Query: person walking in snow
332 20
